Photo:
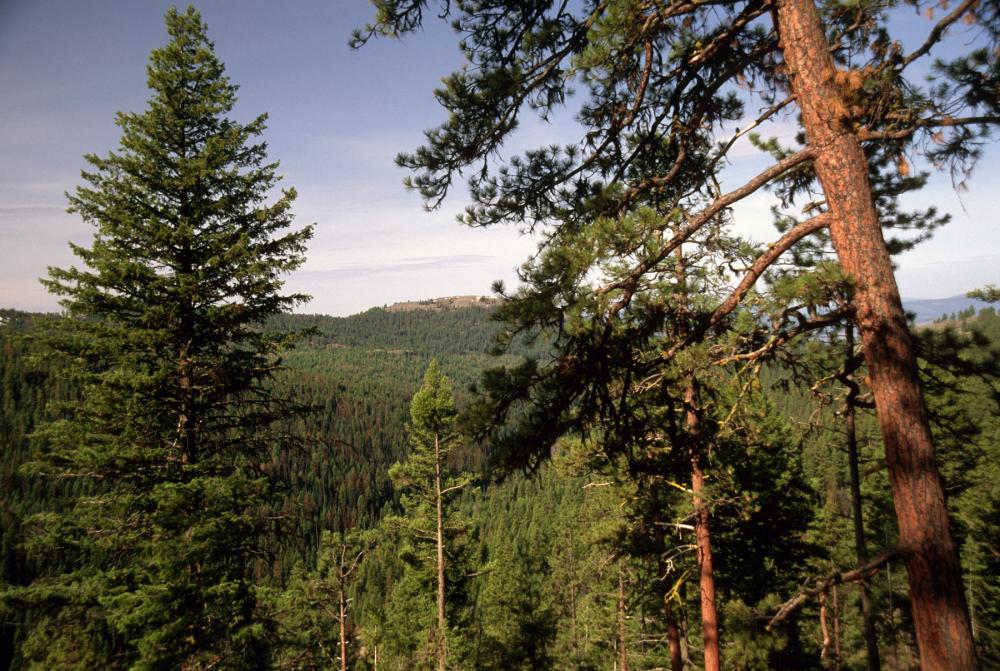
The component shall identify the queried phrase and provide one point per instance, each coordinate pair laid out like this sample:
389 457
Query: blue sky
337 119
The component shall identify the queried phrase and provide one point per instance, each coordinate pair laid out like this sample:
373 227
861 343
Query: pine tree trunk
860 549
706 580
674 640
682 621
440 555
187 421
669 616
937 597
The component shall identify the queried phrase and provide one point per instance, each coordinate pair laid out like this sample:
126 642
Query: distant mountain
929 309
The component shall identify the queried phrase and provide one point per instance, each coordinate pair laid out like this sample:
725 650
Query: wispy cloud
421 263
30 211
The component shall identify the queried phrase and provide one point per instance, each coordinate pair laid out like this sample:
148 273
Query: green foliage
160 460
309 608
558 533
751 646
990 293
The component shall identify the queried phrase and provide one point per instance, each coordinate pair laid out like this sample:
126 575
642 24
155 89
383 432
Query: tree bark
674 640
940 615
703 540
441 647
860 549
670 618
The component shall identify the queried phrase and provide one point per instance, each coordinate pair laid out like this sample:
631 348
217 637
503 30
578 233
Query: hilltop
444 303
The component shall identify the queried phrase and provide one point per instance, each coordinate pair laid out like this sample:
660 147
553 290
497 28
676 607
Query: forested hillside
562 569
667 447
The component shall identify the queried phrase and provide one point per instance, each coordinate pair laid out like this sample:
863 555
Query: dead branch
943 122
862 572
938 31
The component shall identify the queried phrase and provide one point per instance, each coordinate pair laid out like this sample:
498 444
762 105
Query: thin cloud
30 211
421 263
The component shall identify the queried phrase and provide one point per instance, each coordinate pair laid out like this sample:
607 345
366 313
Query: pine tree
659 78
177 415
316 612
427 482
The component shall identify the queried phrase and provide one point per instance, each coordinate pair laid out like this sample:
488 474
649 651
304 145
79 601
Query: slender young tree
316 608
659 78
177 412
426 478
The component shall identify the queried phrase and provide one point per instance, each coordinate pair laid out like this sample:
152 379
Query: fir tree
177 412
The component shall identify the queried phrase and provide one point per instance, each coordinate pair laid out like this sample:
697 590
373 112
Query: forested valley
668 447
565 567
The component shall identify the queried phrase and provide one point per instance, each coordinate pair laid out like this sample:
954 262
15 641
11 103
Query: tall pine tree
164 451
426 478
657 83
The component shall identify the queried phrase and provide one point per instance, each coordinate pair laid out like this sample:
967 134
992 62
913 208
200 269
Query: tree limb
778 339
937 31
862 572
630 283
942 122
762 262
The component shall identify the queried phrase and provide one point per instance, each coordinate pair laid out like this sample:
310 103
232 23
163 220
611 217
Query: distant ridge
925 309
929 309
445 303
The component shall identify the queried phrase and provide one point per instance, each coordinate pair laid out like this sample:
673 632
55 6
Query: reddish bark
703 539
674 641
940 616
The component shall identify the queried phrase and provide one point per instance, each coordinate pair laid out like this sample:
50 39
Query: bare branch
821 321
862 572
453 488
943 122
937 31
740 132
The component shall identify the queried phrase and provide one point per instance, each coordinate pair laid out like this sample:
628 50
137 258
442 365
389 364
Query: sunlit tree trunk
703 539
937 597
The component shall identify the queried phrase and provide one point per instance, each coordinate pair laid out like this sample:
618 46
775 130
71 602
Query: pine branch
937 32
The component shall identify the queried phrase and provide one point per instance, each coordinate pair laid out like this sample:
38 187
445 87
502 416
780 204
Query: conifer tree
317 607
426 479
176 418
658 79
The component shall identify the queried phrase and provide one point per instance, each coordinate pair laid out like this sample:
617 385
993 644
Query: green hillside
537 563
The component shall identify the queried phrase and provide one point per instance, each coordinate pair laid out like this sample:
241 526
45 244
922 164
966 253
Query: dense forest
558 568
668 447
